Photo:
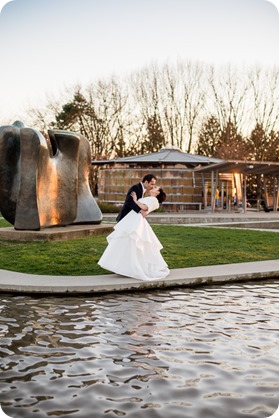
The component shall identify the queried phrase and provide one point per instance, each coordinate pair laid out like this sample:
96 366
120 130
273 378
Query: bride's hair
161 196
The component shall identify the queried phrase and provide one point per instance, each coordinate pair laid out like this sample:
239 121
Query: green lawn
183 247
3 223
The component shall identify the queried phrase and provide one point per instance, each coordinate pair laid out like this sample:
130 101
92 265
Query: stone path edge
21 283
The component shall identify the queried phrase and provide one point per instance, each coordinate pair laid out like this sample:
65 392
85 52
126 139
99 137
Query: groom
147 183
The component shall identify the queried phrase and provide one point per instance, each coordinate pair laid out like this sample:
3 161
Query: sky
48 45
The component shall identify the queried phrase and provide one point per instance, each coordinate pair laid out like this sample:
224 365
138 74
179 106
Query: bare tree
172 118
147 92
227 96
265 97
182 105
174 96
191 76
99 112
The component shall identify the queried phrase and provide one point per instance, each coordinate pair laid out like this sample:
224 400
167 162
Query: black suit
129 204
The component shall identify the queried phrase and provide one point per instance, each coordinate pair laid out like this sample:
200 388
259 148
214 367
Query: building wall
183 188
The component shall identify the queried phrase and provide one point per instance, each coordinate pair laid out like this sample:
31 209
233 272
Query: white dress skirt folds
133 248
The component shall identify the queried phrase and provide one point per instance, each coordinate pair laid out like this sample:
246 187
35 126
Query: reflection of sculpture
45 183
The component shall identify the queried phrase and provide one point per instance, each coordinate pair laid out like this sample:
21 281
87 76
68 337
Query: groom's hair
161 196
148 178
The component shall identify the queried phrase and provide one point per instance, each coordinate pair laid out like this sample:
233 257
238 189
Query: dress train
134 250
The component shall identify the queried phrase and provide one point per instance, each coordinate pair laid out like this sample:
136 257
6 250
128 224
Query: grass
183 247
4 223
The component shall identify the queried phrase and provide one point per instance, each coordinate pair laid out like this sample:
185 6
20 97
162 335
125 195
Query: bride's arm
135 199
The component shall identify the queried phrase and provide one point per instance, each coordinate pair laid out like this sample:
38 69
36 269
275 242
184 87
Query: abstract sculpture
45 181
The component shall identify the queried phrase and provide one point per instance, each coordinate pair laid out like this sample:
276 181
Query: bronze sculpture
45 181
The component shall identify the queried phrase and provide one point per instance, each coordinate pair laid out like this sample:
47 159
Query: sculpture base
59 233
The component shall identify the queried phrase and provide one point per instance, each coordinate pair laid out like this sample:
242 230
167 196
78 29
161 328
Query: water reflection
207 352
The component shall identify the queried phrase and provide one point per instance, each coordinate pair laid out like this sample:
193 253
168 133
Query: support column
275 195
244 197
213 188
204 192
222 195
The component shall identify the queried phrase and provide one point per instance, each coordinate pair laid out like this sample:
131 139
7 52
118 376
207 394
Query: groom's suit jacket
129 204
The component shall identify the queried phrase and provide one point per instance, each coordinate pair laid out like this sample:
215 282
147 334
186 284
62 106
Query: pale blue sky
48 44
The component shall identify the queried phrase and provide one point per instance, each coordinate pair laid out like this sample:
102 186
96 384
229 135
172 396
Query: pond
181 353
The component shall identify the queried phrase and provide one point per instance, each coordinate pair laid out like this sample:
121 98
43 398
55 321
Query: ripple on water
207 352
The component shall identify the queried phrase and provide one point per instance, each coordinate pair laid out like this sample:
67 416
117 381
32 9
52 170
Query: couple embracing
133 248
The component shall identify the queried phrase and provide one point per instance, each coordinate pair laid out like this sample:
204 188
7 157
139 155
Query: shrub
109 207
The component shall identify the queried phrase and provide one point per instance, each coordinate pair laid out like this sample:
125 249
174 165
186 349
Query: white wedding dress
133 248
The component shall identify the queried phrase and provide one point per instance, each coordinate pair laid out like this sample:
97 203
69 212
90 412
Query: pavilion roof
166 155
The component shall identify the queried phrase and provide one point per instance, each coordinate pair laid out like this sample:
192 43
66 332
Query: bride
133 248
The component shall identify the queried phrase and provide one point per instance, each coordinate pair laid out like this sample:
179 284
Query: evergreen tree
209 137
155 139
231 145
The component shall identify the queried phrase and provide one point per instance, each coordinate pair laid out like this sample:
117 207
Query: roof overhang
242 167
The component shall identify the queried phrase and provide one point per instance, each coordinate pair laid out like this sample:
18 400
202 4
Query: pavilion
236 173
173 169
190 181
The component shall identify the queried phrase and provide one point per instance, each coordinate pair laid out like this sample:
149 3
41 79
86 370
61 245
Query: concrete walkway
262 270
11 281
